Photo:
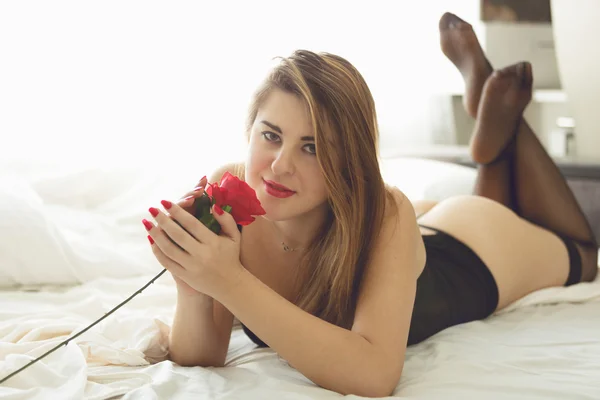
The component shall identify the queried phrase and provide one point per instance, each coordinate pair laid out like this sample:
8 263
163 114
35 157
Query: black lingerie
455 287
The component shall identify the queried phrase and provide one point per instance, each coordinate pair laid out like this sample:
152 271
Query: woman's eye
270 136
313 148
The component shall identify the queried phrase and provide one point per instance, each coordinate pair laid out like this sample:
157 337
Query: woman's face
282 149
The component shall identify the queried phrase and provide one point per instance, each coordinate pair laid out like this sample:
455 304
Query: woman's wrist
197 299
232 282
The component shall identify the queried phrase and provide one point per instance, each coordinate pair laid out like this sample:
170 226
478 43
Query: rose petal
239 195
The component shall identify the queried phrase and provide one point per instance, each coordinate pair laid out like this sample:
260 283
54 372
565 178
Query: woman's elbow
381 385
197 362
382 388
387 388
366 389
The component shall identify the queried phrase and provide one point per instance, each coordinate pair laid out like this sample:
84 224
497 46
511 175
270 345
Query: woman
338 276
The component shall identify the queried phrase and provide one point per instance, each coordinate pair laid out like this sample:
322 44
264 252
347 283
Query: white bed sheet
545 346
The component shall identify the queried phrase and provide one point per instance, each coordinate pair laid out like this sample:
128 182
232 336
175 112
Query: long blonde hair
343 117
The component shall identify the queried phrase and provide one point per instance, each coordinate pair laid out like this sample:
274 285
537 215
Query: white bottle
561 143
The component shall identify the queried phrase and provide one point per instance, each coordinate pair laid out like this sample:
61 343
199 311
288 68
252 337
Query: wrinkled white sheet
69 227
545 346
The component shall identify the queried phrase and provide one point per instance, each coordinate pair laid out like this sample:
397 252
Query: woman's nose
283 163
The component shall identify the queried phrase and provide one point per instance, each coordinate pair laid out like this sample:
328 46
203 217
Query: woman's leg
515 169
459 43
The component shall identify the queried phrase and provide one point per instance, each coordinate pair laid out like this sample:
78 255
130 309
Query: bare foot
459 43
505 95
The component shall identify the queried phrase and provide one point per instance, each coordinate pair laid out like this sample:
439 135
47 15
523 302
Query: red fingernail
150 239
197 189
153 211
166 204
189 197
218 210
147 224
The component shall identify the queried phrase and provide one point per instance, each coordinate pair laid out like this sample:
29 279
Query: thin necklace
287 248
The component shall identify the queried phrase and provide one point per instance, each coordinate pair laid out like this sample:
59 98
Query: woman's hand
204 261
186 202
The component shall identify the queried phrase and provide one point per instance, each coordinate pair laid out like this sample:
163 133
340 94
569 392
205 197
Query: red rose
235 193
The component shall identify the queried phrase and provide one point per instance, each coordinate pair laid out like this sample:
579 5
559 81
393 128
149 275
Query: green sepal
204 203
202 207
213 225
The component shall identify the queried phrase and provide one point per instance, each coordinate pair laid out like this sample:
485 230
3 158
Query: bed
72 248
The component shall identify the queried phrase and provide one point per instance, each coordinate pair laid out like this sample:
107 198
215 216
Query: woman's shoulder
394 190
396 198
237 169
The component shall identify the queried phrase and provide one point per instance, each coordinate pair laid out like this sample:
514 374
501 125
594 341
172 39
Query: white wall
146 81
576 32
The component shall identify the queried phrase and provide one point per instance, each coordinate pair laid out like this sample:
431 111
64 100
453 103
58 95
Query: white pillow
420 178
61 245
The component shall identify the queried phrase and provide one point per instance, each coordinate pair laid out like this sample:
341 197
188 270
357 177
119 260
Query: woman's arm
364 361
196 338
201 328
